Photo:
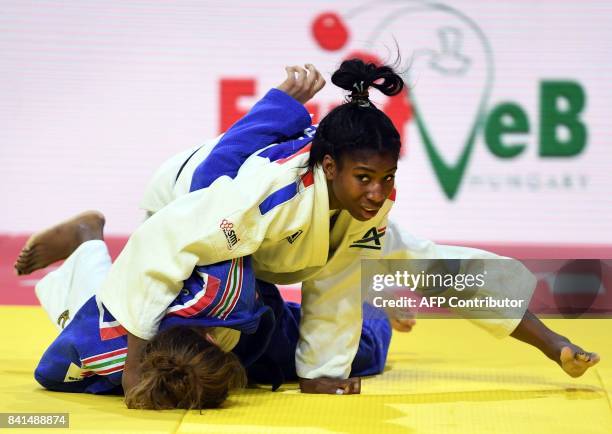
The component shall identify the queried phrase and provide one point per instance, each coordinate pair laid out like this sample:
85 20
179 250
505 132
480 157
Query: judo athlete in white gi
89 354
220 304
306 214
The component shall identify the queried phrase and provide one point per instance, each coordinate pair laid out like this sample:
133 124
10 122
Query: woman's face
361 183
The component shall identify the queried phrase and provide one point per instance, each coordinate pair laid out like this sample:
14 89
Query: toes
29 260
576 361
24 254
22 270
594 359
22 263
582 356
589 358
27 252
25 265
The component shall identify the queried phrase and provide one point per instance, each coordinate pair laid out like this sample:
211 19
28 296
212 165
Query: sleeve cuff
296 113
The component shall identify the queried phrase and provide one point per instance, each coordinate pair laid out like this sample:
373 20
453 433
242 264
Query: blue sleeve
60 369
52 371
53 367
274 118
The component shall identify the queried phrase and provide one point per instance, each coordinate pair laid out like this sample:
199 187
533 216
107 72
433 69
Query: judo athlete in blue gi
222 312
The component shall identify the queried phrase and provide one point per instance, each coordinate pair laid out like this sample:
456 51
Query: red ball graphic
329 31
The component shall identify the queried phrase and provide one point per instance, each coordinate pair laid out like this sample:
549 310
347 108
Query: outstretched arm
513 278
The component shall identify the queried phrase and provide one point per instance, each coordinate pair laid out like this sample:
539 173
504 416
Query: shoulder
173 176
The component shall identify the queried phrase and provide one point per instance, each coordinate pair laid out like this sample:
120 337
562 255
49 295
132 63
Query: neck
333 202
332 220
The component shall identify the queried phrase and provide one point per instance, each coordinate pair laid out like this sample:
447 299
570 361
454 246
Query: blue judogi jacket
89 354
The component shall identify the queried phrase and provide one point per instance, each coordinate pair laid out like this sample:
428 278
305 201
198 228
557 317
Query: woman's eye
390 178
363 178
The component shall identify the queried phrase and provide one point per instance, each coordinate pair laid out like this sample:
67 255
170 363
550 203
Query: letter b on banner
552 116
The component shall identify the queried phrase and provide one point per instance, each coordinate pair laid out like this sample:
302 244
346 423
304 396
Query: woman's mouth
370 212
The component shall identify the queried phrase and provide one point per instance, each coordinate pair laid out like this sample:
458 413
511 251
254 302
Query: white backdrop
96 94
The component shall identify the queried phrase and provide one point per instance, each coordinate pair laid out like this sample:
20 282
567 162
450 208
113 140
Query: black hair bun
353 72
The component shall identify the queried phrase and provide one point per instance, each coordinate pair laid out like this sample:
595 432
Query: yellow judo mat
446 376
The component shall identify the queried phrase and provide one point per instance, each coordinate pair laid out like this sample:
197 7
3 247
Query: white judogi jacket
279 213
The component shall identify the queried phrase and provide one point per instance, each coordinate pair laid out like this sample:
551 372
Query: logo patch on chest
291 238
371 239
230 234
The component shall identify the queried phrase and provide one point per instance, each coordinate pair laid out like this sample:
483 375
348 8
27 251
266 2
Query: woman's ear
329 167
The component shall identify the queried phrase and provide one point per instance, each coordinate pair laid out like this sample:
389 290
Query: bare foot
575 361
58 242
